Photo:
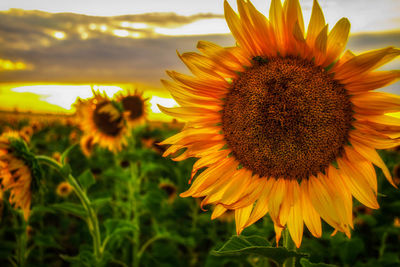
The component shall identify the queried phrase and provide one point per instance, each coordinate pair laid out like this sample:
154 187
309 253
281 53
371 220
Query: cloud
92 52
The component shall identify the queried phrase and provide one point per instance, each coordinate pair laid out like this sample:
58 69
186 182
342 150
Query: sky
52 51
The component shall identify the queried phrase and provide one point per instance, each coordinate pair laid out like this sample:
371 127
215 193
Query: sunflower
64 189
170 190
284 123
86 143
102 122
18 171
134 106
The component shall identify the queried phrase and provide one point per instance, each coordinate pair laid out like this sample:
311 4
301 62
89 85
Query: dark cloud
103 57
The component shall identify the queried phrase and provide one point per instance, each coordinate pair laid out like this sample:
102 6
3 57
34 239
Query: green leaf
100 202
45 240
86 179
116 228
66 170
351 249
245 245
71 208
306 263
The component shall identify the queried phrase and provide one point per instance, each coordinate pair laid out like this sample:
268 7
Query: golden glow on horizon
60 98
65 95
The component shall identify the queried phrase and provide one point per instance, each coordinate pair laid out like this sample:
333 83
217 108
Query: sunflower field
142 221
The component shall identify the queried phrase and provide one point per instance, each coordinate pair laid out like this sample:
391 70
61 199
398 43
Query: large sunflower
282 123
18 171
102 122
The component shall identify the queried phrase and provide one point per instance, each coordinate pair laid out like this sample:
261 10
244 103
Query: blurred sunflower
19 171
283 123
169 188
64 189
134 106
86 143
102 122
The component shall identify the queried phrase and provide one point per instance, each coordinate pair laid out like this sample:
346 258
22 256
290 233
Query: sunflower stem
134 190
91 220
289 245
22 240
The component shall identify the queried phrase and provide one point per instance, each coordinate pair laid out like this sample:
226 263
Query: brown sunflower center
64 189
133 104
105 122
286 117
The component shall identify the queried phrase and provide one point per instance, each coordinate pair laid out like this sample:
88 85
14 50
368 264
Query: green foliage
244 245
306 263
137 217
70 208
86 180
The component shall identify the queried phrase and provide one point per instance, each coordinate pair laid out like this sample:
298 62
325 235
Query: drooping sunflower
134 106
284 123
19 171
102 122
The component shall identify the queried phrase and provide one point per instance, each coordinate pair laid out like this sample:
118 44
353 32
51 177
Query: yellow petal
373 80
223 56
277 195
236 28
362 64
191 113
358 186
337 40
241 217
208 86
202 66
376 103
261 207
317 22
218 211
322 201
266 36
209 177
311 217
277 21
294 14
370 154
362 168
209 159
240 183
341 196
320 46
295 220
278 232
